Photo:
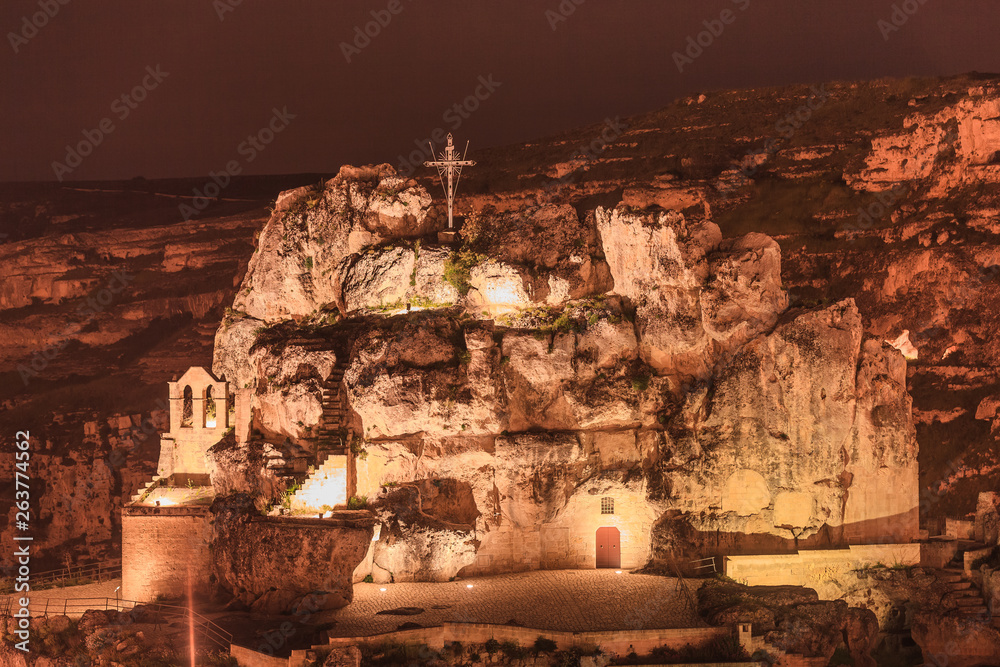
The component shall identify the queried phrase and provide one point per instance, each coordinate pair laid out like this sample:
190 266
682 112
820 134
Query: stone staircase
148 486
968 600
334 436
325 488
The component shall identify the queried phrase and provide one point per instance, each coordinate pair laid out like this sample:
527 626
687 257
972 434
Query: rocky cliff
667 376
914 244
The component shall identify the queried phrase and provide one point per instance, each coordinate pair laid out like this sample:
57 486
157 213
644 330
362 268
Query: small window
607 505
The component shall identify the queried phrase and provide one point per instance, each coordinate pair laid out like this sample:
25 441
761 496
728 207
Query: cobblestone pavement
570 600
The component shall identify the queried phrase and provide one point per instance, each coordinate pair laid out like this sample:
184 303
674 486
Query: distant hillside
883 191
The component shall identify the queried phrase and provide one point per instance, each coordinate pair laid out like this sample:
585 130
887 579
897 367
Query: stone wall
275 564
610 641
569 540
184 451
246 657
815 569
159 545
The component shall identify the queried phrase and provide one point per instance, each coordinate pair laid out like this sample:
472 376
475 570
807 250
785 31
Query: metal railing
111 569
205 627
682 585
703 566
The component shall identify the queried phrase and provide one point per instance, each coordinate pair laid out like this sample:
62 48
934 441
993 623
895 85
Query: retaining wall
812 568
159 545
617 641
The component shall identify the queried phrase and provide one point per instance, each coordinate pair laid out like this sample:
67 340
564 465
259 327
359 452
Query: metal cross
451 164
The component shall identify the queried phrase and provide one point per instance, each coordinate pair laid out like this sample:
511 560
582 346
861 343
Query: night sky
225 66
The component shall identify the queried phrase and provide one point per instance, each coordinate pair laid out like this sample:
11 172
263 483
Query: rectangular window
607 505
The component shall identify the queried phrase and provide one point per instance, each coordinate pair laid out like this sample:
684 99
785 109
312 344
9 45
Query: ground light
468 585
618 571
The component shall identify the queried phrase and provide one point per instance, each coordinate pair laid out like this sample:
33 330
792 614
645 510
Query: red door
608 548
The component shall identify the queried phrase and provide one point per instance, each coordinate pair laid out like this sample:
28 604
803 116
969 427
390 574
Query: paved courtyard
571 600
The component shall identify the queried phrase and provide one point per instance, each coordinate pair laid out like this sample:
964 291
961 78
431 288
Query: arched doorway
609 551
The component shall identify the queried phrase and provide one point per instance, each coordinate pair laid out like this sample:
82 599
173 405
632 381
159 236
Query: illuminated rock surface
271 564
626 403
676 393
792 619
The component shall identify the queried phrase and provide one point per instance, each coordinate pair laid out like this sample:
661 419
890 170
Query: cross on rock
449 163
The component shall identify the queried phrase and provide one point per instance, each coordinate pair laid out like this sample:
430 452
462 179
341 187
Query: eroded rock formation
273 565
808 429
669 391
792 619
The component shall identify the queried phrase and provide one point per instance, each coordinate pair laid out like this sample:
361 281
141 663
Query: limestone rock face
745 297
301 253
271 564
614 359
792 619
564 382
417 380
955 145
231 358
961 641
696 299
497 287
395 276
417 545
244 469
288 396
807 434
375 279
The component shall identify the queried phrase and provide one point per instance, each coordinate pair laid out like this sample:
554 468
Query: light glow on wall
325 488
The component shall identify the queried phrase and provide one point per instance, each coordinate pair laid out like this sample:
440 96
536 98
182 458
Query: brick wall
158 548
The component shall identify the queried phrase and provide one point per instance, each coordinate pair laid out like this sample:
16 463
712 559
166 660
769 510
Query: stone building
166 526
